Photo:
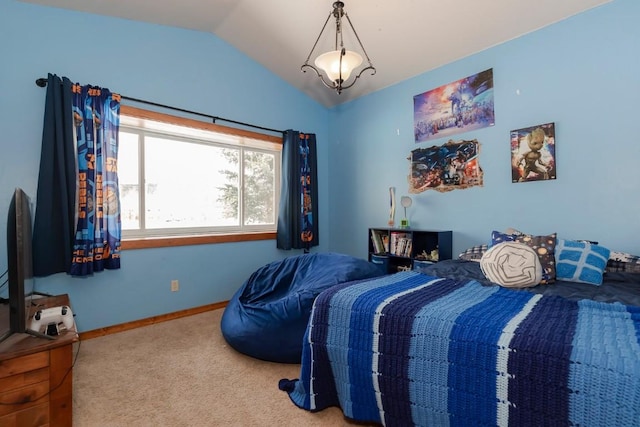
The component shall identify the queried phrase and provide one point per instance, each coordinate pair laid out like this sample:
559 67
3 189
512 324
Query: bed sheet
616 286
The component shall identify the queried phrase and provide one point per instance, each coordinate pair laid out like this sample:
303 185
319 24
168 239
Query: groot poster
451 166
533 153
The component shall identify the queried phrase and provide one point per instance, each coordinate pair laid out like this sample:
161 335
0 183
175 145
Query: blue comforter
411 349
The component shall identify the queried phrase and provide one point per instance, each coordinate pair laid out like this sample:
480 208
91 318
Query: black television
19 266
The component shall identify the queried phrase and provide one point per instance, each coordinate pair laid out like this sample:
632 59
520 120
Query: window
183 177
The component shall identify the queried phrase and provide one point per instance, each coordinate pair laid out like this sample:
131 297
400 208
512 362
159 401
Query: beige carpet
182 373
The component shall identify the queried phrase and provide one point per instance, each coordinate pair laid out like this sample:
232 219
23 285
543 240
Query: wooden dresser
36 377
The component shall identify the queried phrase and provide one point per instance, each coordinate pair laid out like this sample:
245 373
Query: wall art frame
452 166
533 153
460 106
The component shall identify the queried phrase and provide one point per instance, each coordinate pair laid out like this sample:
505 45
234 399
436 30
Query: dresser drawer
37 415
24 379
27 363
24 385
22 398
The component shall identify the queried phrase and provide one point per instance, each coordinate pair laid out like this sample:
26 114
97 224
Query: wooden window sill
163 242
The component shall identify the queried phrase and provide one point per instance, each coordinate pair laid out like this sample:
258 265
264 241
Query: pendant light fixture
340 63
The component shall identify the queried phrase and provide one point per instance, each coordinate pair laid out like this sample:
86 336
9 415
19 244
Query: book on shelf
377 242
385 242
400 244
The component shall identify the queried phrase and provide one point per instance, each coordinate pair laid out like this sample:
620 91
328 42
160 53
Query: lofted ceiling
403 38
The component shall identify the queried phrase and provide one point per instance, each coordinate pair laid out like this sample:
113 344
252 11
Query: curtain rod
42 82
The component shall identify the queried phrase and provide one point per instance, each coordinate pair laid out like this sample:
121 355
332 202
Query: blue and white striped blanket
410 349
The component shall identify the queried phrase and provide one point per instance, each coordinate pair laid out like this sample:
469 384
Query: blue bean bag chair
267 317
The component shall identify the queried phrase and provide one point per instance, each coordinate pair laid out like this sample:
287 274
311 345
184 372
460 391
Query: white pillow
512 265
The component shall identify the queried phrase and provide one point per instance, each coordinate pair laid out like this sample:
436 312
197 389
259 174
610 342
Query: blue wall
581 73
186 69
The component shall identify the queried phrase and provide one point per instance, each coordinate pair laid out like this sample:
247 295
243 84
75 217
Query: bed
445 346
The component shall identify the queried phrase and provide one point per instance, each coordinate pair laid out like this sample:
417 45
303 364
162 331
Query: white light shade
330 63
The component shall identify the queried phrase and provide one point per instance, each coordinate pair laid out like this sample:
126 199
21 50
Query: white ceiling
403 38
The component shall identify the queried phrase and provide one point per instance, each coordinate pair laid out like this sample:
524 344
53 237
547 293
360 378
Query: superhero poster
533 153
460 106
451 166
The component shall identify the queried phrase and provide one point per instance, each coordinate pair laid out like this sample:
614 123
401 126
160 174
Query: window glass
259 188
195 181
128 180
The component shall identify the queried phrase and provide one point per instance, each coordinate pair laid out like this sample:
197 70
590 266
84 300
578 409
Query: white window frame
144 122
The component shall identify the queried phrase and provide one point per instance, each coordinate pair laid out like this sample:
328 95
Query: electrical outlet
175 286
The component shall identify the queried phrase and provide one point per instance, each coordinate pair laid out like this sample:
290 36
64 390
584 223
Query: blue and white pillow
580 261
474 253
623 262
498 237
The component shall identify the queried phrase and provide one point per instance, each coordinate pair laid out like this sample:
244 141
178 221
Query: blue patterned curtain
96 113
298 213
